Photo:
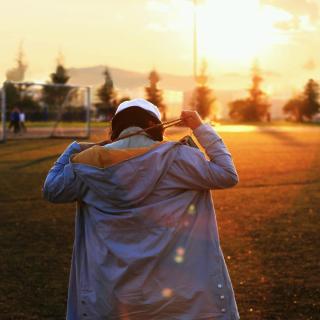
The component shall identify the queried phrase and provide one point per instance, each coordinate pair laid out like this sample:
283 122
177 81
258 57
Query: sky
138 35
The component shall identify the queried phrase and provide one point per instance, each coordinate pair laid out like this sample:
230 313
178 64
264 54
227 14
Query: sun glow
237 31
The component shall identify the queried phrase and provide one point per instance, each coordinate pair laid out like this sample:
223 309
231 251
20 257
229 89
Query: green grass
269 228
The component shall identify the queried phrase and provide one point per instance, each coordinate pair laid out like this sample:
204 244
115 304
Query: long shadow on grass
15 146
280 135
36 161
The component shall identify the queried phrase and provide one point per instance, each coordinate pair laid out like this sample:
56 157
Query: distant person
15 120
268 117
22 121
146 239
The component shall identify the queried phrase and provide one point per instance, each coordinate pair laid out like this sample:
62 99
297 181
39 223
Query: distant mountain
124 79
132 83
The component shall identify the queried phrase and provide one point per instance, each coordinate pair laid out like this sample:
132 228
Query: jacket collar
101 157
132 129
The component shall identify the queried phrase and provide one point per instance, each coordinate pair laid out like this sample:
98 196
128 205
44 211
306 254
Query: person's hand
191 119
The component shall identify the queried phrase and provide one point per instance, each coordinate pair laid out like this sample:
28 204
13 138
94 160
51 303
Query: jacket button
83 302
219 286
222 297
223 310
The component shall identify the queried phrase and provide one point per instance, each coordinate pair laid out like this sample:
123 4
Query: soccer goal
41 110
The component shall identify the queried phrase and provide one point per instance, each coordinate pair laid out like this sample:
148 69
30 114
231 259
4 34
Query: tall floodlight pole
195 41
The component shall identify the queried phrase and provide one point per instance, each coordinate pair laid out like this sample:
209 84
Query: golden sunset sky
141 34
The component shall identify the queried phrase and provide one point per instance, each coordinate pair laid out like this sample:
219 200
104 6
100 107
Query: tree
256 106
241 109
17 73
154 94
203 98
305 105
311 104
15 92
55 96
294 108
12 95
107 96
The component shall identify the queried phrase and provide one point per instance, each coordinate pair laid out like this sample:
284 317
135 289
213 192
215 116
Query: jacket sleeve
61 184
192 170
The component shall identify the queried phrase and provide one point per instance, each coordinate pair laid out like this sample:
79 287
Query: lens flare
180 251
167 292
192 209
178 259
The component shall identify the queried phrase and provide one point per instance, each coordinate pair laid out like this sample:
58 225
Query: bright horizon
142 34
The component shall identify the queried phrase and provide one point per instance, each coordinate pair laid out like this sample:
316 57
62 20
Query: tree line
51 100
56 102
256 107
109 98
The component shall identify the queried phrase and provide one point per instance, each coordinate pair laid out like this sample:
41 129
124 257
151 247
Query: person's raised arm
61 184
193 170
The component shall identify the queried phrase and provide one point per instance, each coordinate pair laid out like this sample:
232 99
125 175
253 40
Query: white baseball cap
140 103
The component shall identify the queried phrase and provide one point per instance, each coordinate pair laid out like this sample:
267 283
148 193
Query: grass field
103 124
269 228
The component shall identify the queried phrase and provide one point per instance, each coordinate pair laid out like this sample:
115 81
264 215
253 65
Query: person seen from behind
146 238
22 118
15 120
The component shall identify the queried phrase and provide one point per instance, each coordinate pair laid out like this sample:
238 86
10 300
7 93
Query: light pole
195 41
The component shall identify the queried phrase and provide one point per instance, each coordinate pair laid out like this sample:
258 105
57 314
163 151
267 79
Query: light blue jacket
146 239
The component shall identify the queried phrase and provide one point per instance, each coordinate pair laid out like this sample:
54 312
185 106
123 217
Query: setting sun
237 31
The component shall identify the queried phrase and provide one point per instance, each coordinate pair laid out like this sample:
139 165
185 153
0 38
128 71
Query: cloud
309 8
302 23
287 25
293 24
168 15
293 16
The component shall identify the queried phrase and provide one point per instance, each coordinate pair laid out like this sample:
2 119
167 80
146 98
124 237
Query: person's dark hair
137 117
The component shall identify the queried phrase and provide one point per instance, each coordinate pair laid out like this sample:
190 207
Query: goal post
3 114
43 110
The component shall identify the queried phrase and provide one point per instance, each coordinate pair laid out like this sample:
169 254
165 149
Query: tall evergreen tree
154 94
55 96
14 92
203 98
60 76
107 96
18 72
256 106
306 105
311 104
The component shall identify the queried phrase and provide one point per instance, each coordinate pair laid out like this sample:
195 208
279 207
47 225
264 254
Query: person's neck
132 129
